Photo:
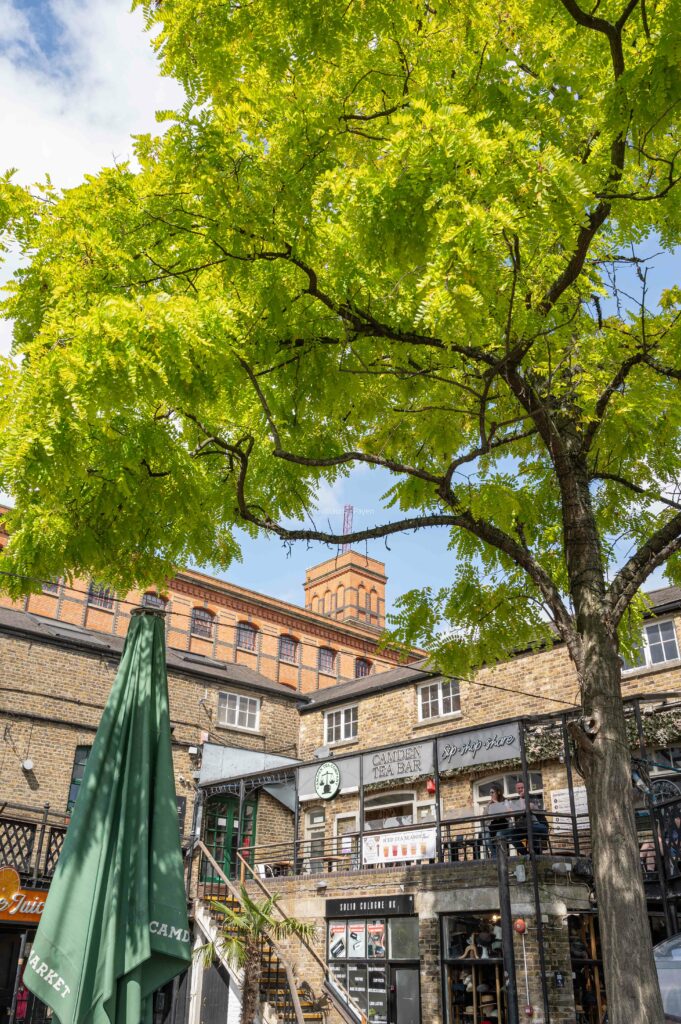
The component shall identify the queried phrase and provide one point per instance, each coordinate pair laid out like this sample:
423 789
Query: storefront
373 952
20 910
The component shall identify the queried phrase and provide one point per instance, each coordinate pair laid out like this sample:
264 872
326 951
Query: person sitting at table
498 820
517 832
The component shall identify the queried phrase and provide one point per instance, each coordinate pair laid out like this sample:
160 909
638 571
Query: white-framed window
341 725
508 783
246 636
238 711
202 623
438 699
288 649
51 586
327 661
659 645
362 668
153 600
389 810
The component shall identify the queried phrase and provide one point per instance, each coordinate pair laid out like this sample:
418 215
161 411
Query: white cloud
74 110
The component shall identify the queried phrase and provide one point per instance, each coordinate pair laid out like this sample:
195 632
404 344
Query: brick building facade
272 706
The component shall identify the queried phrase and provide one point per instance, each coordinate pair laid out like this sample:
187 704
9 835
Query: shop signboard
18 904
326 780
560 805
397 847
369 905
401 762
478 746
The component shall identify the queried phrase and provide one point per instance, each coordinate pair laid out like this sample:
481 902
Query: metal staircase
286 999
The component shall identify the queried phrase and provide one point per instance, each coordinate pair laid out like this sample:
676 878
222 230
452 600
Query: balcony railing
31 839
454 840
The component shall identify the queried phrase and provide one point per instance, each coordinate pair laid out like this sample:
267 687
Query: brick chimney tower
349 587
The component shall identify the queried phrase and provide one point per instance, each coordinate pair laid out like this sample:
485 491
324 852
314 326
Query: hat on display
488 998
484 988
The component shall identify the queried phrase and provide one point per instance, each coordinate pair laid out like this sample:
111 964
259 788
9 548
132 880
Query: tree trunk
250 992
631 983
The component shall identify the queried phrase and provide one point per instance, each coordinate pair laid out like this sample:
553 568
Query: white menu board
393 847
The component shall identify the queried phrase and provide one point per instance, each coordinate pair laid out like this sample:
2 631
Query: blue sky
82 79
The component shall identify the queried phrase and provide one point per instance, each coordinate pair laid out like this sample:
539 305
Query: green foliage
375 232
243 928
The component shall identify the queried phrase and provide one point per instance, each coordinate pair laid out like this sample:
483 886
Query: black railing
663 830
31 839
460 839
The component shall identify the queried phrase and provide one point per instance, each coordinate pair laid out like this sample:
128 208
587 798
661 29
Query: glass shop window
473 965
587 968
389 810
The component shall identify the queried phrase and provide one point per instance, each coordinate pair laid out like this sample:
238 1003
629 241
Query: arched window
288 649
246 636
327 660
362 668
100 596
152 600
202 623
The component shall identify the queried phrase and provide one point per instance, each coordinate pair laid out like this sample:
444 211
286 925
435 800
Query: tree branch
636 488
656 550
604 398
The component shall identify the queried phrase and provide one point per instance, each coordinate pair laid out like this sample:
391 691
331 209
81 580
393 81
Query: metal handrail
275 945
331 979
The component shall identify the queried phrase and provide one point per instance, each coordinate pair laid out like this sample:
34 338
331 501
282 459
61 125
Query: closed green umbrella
115 924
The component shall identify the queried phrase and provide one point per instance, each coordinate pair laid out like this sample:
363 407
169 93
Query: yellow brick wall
51 700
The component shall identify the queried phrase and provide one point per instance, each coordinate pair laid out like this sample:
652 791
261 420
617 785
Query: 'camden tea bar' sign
402 762
478 746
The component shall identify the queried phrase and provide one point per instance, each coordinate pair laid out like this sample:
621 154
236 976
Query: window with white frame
51 586
341 725
439 699
238 711
153 600
508 783
659 645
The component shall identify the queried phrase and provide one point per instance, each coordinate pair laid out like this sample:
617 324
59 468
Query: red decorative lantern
520 927
430 786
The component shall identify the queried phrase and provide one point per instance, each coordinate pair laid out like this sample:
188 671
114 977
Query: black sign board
181 811
370 906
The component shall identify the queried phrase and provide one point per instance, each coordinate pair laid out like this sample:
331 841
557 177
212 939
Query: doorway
404 995
224 834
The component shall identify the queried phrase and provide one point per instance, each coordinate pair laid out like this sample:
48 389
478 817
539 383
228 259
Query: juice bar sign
479 746
398 763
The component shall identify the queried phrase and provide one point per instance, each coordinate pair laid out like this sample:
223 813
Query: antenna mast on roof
347 526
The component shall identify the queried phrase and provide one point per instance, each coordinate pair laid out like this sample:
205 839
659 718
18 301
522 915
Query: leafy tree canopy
377 232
